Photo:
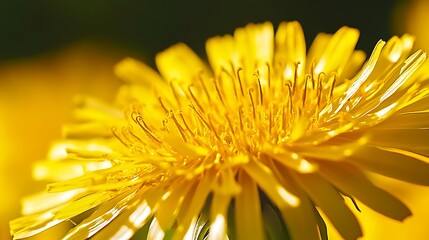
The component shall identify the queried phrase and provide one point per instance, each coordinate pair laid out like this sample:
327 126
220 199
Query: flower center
239 111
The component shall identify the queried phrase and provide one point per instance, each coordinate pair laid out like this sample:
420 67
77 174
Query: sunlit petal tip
134 71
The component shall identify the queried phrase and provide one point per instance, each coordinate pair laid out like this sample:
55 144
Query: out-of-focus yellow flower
412 17
35 100
258 145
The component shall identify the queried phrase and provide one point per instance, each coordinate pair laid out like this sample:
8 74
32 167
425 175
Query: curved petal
353 182
180 63
290 48
301 220
191 207
329 200
392 164
248 217
266 180
136 72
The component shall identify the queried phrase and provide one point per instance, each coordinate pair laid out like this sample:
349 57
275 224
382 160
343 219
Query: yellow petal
334 152
192 208
171 203
418 104
266 180
388 89
123 226
353 65
289 159
43 201
301 220
331 203
226 183
49 229
101 217
136 72
155 231
218 216
255 44
406 121
66 169
88 130
316 50
180 63
248 217
351 181
290 46
337 51
221 53
89 109
83 204
185 149
107 179
400 138
391 164
358 80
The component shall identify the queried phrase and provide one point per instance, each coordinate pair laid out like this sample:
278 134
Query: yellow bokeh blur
36 98
411 16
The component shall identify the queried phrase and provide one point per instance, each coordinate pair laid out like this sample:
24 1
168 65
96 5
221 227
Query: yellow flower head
255 146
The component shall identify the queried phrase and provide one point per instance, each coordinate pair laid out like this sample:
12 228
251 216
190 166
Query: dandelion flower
255 146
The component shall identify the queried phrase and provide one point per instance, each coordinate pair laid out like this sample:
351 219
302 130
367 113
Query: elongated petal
359 79
100 218
134 71
290 159
353 65
43 201
63 170
51 229
353 182
179 63
88 130
127 222
300 220
219 216
338 50
265 179
290 47
31 225
393 164
248 217
419 104
256 42
331 152
405 138
316 50
255 45
194 205
171 203
155 231
386 90
221 53
406 121
83 204
331 203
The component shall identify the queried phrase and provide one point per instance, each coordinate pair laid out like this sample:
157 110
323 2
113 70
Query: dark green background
30 27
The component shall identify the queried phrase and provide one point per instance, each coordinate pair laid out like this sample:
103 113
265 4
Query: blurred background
52 50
